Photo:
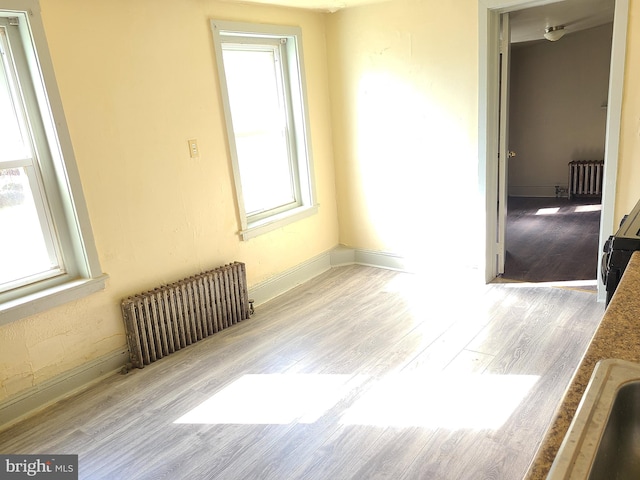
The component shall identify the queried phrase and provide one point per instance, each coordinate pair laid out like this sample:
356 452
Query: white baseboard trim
389 261
338 256
534 191
34 399
278 284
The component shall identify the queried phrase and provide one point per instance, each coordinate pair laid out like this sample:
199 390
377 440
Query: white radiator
585 177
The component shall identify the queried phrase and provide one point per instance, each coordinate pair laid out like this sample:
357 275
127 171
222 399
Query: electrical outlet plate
193 148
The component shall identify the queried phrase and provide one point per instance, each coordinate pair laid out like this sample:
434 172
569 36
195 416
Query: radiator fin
171 317
585 177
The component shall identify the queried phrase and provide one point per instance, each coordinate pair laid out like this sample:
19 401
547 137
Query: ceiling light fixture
554 33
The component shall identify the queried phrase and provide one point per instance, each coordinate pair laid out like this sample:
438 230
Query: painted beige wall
404 84
558 90
628 180
137 80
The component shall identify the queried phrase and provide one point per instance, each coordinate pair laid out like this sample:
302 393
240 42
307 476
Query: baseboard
533 191
279 284
342 255
34 399
338 256
389 261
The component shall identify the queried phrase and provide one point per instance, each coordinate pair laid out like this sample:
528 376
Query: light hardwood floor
360 373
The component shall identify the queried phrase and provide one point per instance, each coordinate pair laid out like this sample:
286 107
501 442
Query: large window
46 245
262 83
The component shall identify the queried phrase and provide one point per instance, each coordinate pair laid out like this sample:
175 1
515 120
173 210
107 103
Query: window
46 245
262 83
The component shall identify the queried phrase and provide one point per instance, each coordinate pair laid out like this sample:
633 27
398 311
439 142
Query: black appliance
618 250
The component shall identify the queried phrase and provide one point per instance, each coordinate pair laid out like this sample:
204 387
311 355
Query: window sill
277 221
27 305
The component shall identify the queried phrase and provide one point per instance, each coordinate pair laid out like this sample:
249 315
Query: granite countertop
618 336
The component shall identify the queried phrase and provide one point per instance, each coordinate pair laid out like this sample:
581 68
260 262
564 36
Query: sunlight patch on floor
441 401
558 284
588 208
548 211
577 209
453 401
271 399
429 295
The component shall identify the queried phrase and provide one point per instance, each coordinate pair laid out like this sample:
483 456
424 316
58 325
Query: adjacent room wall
557 108
137 80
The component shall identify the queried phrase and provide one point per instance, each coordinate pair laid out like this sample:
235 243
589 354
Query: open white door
503 140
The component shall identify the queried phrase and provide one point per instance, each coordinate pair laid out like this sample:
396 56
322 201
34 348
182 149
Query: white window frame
80 273
290 39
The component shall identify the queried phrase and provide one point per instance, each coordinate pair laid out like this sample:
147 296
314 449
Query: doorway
489 23
557 98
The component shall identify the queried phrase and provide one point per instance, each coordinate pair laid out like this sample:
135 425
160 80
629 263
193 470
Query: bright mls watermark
49 467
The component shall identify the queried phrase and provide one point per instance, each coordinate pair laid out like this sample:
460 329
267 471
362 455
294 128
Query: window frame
31 126
299 145
81 274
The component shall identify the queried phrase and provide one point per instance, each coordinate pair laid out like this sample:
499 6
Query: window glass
12 138
27 244
22 244
259 117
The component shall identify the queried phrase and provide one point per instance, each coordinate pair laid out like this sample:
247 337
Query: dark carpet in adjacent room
552 239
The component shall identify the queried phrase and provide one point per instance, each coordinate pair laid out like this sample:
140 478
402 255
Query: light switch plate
193 148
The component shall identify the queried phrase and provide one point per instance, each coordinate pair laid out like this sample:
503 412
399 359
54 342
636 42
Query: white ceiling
575 15
320 5
527 25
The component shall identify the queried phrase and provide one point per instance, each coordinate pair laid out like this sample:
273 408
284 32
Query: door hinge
14 21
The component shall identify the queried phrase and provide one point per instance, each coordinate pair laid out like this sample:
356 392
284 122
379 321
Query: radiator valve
562 192
126 368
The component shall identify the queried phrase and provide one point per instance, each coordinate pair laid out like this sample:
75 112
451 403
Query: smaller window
261 78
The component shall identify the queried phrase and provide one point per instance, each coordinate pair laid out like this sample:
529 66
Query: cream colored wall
558 90
137 80
404 85
628 180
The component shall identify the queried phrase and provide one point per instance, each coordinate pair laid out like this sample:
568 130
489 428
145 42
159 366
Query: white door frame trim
488 95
